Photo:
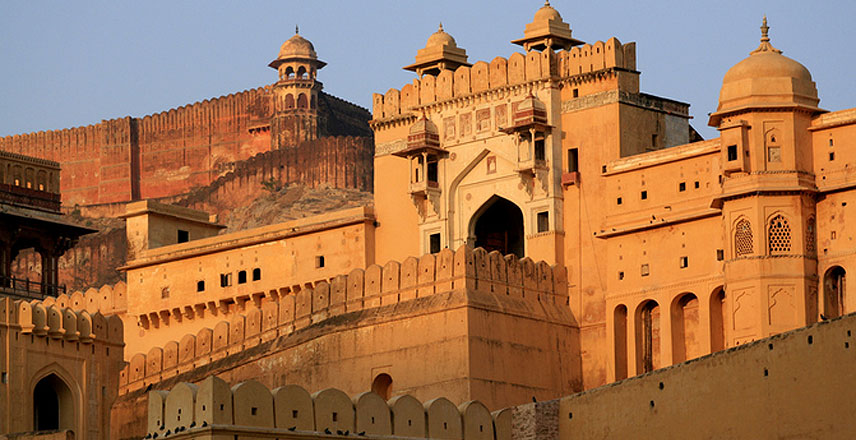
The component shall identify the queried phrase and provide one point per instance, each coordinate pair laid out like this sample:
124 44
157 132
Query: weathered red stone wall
338 162
171 153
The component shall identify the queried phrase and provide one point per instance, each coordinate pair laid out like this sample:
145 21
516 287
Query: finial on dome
546 2
765 45
440 28
296 29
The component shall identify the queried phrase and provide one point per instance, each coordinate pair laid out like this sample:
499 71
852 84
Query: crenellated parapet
107 300
515 71
50 320
235 112
485 278
213 408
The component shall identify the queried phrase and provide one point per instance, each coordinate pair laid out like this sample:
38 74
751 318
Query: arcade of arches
659 338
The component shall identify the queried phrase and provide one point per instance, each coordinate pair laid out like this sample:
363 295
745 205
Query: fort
540 230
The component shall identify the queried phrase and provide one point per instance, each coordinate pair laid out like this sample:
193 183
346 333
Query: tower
295 115
769 193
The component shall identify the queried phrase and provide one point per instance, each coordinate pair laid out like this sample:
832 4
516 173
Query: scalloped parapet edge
287 410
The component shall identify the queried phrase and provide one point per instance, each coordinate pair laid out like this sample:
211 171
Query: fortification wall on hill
213 406
338 162
276 312
170 153
501 72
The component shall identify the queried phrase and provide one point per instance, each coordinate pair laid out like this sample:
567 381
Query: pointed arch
743 238
778 235
498 226
53 380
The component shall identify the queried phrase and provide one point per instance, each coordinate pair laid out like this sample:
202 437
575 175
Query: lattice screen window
743 244
779 235
810 237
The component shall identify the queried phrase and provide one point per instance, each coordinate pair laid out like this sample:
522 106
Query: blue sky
66 64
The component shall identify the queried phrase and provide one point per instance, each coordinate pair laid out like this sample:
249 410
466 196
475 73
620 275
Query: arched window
289 72
301 72
382 385
301 101
743 243
257 274
811 236
779 235
289 101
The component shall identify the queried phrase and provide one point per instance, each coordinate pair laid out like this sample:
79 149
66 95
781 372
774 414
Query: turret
295 93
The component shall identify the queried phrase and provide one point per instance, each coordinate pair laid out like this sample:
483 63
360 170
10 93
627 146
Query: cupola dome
765 79
441 52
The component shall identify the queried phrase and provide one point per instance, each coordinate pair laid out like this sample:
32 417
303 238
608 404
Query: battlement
47 319
518 69
212 407
107 300
228 113
276 312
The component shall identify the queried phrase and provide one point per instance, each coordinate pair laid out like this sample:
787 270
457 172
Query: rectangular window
200 286
225 279
183 236
573 160
831 156
576 93
654 141
682 186
319 262
434 243
696 184
720 255
732 152
645 270
684 262
620 275
165 292
543 221
242 277
644 195
618 201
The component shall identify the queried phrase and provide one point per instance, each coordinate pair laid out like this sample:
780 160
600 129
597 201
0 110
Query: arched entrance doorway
53 406
833 292
498 226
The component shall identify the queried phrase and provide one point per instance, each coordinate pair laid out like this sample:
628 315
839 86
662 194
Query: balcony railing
30 289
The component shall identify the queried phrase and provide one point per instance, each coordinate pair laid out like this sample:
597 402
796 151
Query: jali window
779 235
743 243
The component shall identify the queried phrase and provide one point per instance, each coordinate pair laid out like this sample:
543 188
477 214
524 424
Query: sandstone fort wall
278 312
